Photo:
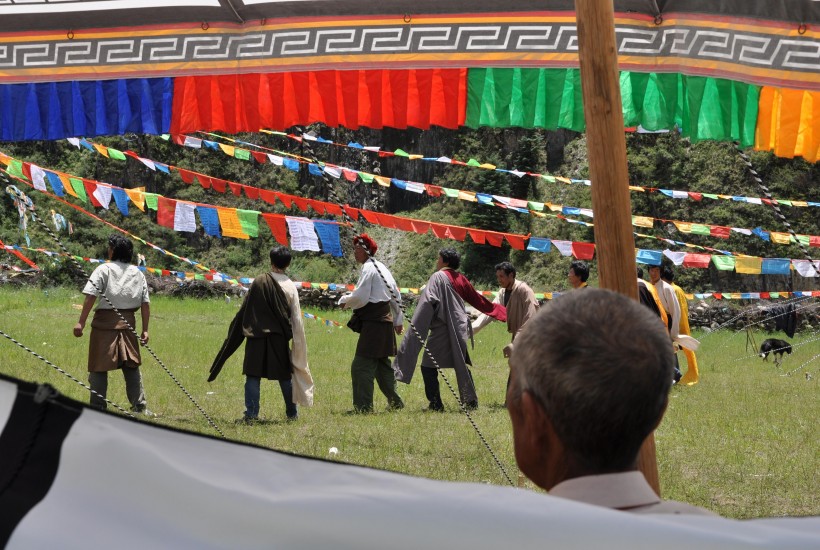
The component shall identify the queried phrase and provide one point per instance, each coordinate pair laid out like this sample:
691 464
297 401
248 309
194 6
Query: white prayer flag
564 247
38 177
103 194
302 234
675 255
184 217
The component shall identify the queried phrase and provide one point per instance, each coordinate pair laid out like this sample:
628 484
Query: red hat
365 242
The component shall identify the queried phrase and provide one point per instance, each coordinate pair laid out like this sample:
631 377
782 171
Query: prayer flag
184 219
302 234
329 235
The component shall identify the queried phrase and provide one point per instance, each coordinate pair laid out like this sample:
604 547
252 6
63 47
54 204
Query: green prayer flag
452 193
699 229
249 220
724 263
79 188
242 154
151 200
786 202
115 154
473 162
400 153
710 196
15 168
367 178
803 239
537 206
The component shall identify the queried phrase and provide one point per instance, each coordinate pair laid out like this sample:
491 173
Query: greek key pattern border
750 49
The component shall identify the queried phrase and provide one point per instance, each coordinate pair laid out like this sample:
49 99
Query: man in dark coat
270 317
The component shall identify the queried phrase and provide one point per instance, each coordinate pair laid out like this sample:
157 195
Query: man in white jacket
377 317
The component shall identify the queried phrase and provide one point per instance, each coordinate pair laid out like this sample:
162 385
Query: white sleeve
483 320
302 379
361 294
674 306
395 307
95 286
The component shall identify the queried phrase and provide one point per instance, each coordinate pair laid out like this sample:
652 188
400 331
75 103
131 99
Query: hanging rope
66 374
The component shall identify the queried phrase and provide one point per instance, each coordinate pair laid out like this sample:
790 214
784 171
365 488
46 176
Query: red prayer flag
286 199
349 175
420 227
166 208
352 212
251 192
478 236
278 227
695 196
697 260
719 231
186 175
236 188
765 295
334 209
814 240
583 251
439 230
457 233
318 206
301 203
90 187
268 196
260 157
433 190
370 216
403 223
218 184
495 239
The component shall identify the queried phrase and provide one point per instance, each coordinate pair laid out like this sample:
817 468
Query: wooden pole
606 149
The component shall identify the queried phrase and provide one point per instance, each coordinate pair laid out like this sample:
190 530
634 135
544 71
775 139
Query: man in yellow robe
691 377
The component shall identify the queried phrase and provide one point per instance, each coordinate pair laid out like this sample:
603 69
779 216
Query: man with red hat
377 317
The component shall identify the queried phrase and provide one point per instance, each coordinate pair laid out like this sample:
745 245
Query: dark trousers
252 395
432 389
133 388
362 372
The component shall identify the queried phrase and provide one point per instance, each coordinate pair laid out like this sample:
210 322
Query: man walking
270 317
516 296
440 312
377 317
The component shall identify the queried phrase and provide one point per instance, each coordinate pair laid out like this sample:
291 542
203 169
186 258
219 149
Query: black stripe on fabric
30 447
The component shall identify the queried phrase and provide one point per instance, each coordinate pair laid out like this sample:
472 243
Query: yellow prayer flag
383 181
67 185
642 221
637 188
488 166
749 265
101 149
137 197
555 207
804 204
683 227
467 196
227 149
780 238
229 221
563 179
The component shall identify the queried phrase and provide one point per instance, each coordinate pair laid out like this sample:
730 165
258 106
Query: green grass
744 442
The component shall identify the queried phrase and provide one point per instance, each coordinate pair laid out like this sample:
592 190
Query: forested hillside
655 161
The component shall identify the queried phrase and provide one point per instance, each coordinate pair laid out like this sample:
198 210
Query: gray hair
600 365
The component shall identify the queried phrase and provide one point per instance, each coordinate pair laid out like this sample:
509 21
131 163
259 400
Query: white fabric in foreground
124 484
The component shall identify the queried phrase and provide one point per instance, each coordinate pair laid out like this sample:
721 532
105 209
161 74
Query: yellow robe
691 377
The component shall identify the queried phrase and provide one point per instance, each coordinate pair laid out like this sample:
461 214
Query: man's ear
538 451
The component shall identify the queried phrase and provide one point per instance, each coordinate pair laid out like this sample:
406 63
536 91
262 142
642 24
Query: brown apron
112 344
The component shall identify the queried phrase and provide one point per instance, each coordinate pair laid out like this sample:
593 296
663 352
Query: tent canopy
737 70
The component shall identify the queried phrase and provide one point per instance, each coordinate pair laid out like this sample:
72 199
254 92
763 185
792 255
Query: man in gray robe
440 313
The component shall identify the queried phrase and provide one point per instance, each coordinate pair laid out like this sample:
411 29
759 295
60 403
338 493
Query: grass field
743 443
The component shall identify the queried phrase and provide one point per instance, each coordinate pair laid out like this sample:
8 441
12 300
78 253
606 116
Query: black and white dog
775 347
